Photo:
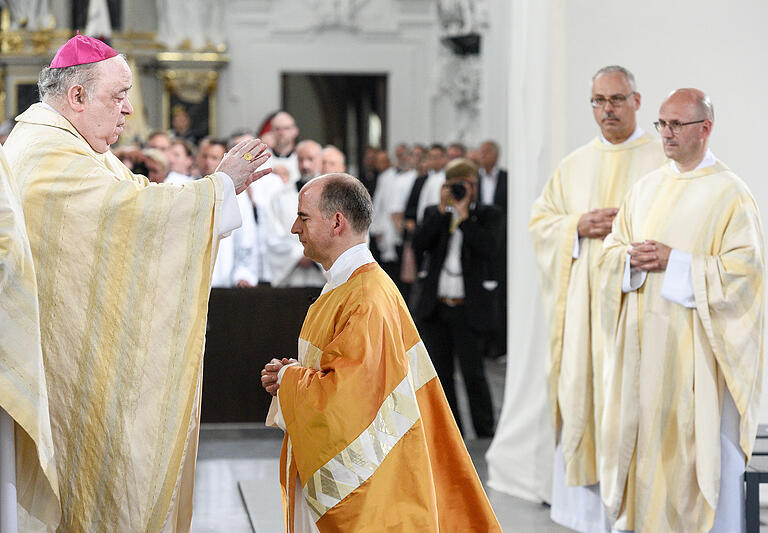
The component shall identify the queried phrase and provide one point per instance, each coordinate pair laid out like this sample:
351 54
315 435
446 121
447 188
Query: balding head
345 194
334 214
333 160
694 98
685 123
310 159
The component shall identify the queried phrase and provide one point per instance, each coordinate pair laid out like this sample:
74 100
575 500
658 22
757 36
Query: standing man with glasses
568 222
683 329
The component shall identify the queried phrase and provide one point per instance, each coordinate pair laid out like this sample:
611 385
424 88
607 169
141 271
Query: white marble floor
236 486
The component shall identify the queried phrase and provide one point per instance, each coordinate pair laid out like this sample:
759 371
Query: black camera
458 190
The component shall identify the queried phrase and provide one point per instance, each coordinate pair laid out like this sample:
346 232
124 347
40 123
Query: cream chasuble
667 366
23 393
123 271
369 433
596 175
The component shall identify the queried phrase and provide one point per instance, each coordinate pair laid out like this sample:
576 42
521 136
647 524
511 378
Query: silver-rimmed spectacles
674 125
616 100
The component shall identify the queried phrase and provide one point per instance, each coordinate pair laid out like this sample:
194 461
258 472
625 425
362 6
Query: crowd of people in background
404 185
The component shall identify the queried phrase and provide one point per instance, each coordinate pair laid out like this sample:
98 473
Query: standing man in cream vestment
568 222
123 270
682 310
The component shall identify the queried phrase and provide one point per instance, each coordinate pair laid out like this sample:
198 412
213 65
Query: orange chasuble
368 428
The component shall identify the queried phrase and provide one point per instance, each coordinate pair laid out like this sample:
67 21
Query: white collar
491 174
50 107
349 261
708 161
179 174
636 135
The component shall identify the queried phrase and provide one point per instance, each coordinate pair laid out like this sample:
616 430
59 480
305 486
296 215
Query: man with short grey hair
568 223
333 160
123 269
492 190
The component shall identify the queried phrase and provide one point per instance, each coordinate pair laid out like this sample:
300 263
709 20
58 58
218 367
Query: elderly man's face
333 161
103 116
310 160
401 154
617 122
487 156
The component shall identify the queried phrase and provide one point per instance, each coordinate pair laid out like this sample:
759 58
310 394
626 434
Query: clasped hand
651 256
269 374
597 223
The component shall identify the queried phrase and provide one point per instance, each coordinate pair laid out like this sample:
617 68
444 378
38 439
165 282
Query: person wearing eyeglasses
568 222
682 306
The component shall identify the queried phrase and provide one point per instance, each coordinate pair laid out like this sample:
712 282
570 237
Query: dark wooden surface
247 328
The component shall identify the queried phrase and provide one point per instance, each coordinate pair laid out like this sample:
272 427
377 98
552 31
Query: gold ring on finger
248 156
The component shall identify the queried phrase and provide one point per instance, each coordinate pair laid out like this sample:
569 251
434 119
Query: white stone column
521 455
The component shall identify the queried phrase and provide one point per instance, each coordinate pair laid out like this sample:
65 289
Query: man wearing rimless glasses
682 309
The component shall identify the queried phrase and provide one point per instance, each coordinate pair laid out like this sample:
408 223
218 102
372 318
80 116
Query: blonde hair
460 168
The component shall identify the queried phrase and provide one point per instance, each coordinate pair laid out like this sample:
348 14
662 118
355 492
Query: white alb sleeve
230 218
678 284
576 245
633 278
278 418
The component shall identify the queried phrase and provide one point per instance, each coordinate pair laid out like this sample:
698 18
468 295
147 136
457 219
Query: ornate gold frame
194 85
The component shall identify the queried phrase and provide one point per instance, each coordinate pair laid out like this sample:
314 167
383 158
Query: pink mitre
80 50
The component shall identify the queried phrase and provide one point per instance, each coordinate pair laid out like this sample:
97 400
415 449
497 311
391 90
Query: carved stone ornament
30 15
460 17
337 13
460 83
191 85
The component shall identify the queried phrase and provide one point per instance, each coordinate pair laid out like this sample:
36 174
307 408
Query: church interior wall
667 45
262 48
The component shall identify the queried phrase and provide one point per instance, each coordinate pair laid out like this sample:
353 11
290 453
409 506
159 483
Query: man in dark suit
492 189
459 240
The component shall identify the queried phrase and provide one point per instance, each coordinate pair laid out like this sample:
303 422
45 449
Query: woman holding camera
457 309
